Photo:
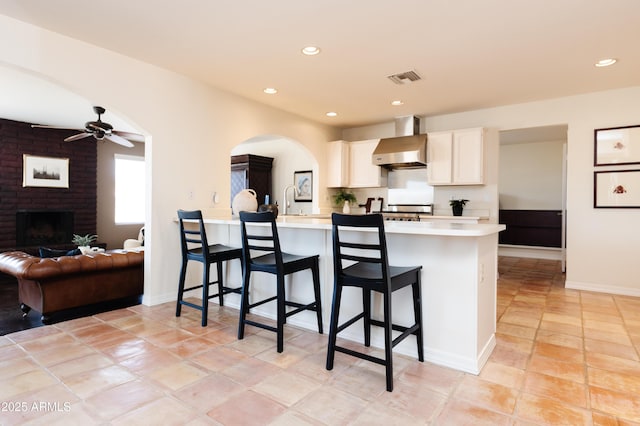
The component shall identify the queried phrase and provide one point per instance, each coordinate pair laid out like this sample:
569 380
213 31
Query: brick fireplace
43 227
73 207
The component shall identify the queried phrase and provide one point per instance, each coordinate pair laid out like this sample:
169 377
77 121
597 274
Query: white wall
376 131
192 129
531 176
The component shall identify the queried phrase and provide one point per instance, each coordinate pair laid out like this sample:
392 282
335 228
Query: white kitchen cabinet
338 164
362 172
456 157
468 157
439 156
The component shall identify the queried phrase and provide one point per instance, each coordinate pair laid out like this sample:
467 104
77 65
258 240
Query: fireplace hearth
42 227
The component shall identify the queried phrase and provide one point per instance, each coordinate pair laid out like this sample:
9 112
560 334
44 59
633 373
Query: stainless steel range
409 206
408 212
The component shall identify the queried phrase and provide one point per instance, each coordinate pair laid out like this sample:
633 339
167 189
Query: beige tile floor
562 357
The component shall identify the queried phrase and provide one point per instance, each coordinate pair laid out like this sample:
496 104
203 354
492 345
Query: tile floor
562 357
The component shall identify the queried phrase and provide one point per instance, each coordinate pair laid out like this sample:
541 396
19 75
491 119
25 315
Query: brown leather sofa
51 285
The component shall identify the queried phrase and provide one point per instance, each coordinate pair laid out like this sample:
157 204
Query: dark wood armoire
250 171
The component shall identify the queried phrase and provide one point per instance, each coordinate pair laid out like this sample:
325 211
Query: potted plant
457 206
344 199
84 241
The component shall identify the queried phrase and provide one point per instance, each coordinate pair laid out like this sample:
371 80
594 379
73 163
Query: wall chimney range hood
408 150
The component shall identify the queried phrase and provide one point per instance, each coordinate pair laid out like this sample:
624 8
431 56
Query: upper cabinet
338 164
439 158
362 172
350 165
456 157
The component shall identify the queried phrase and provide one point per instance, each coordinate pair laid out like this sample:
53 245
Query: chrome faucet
284 197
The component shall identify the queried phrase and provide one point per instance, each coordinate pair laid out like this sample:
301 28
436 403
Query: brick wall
16 139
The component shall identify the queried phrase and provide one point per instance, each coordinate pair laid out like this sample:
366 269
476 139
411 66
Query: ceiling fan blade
135 137
78 136
44 126
119 140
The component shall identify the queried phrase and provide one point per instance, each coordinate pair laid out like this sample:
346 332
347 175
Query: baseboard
159 299
601 288
486 352
549 253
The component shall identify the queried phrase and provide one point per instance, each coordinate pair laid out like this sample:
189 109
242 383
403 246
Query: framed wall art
45 171
617 146
303 181
616 189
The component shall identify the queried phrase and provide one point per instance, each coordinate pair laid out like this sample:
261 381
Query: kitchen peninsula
458 283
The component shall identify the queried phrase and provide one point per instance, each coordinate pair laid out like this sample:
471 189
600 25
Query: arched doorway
289 156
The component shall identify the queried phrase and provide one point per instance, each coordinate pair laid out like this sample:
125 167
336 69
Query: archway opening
291 160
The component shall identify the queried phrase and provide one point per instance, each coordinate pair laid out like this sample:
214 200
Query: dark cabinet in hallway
542 228
250 171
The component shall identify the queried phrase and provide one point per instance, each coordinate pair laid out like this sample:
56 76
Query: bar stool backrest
367 248
192 239
260 240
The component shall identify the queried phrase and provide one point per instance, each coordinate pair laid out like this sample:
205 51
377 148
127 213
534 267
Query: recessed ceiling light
310 50
332 114
606 62
270 90
396 103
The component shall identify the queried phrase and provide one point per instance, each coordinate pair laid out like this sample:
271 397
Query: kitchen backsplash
477 206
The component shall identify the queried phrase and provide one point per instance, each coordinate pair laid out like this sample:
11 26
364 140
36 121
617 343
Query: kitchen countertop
437 228
455 217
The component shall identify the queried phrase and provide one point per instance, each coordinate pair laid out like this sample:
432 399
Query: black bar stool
278 263
370 272
194 246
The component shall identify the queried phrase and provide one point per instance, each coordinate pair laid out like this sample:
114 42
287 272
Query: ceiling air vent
404 77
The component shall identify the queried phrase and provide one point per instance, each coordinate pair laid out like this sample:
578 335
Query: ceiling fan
100 130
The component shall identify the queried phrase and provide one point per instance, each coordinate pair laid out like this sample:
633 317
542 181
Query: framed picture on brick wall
47 172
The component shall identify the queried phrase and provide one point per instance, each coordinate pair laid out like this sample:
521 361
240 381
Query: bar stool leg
205 294
417 310
281 315
316 288
366 306
333 325
220 285
388 341
183 274
244 301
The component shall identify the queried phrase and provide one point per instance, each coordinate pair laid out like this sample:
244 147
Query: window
129 189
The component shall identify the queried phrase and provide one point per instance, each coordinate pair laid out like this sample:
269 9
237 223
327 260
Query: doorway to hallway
532 192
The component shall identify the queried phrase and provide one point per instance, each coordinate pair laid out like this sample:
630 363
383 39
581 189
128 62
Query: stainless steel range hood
408 150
